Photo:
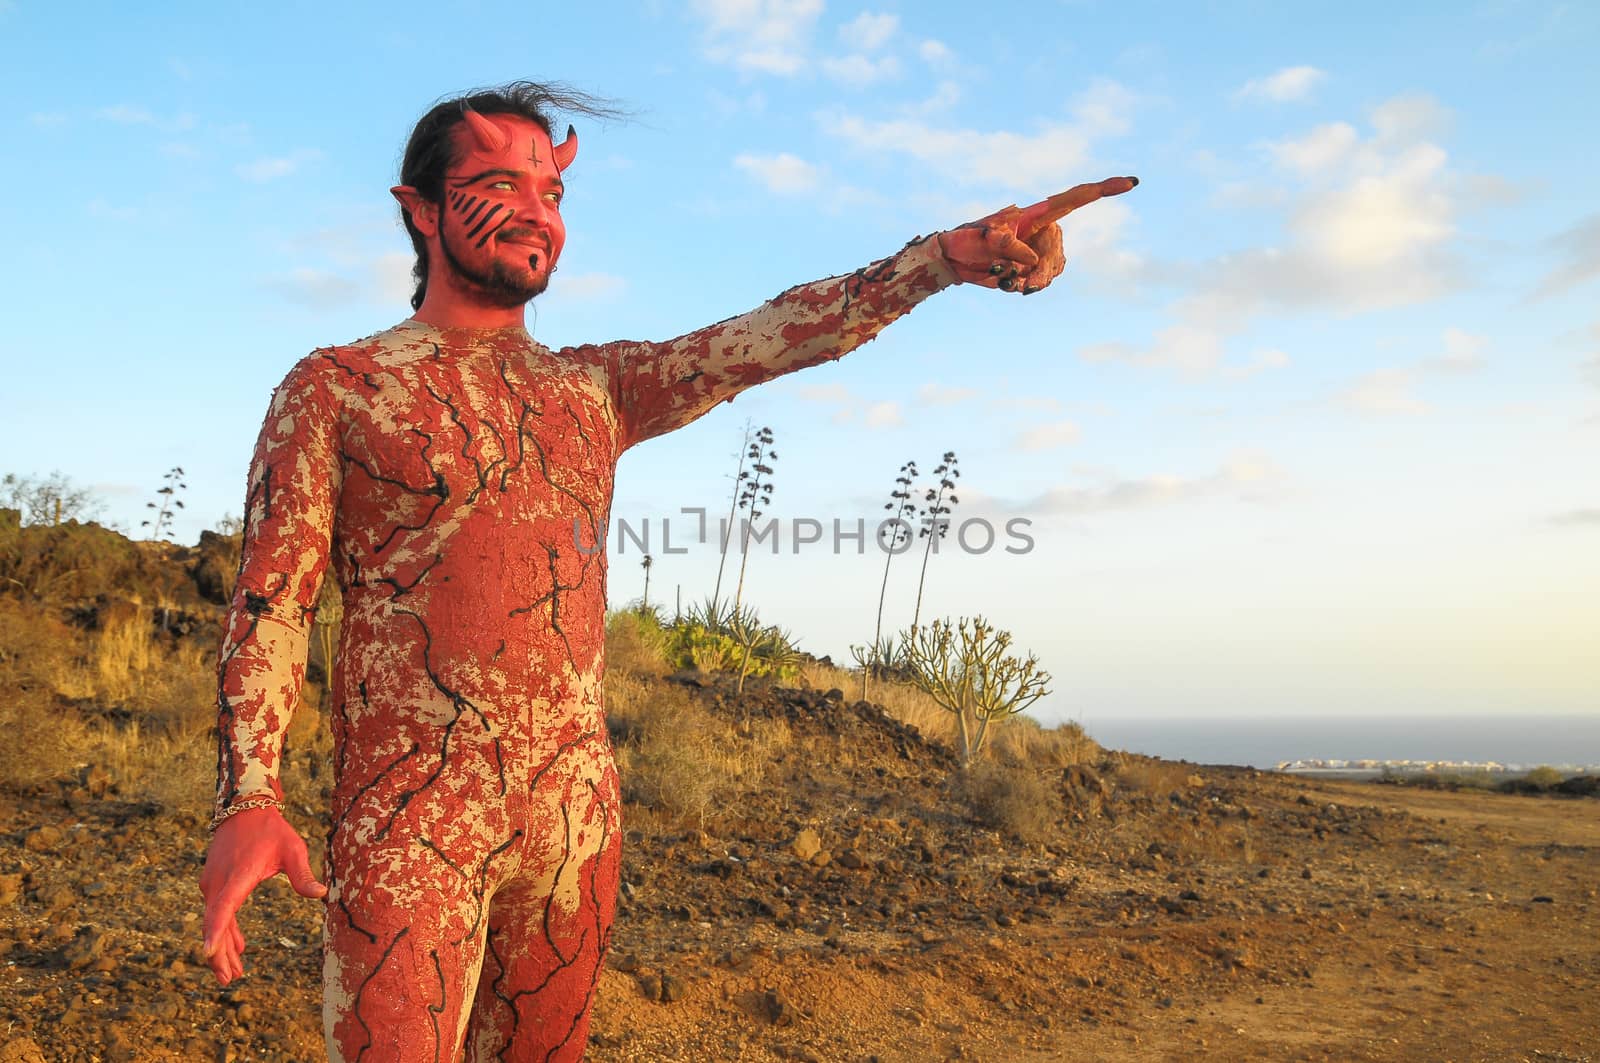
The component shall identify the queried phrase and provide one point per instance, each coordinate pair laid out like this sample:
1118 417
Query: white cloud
934 52
1577 518
859 70
1291 84
1414 116
319 289
126 114
869 31
883 415
761 36
849 407
784 174
48 119
1046 158
1194 348
1321 149
1385 392
1247 475
1577 250
1463 353
932 394
273 167
1047 436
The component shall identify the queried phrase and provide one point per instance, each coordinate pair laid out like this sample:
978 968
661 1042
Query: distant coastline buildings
1422 767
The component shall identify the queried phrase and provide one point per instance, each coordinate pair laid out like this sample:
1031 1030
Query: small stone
852 859
10 889
779 1011
22 1050
672 989
649 985
822 858
43 839
806 844
627 962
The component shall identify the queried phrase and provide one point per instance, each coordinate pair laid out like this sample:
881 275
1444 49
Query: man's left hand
1019 248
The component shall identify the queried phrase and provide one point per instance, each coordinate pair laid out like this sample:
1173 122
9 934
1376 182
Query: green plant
941 501
966 667
644 600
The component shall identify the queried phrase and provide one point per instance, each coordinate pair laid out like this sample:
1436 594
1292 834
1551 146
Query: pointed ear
424 214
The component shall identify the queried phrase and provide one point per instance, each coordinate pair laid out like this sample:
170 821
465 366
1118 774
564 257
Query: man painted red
443 466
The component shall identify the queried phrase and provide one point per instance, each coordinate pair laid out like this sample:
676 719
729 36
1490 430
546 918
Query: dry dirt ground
851 913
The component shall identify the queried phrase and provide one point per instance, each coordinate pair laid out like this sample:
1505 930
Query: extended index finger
221 910
1058 206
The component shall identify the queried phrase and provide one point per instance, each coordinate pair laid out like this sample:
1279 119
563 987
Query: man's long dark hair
431 149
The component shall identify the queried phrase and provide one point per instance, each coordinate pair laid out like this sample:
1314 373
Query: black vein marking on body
439 490
877 273
601 927
435 1010
255 607
372 783
550 975
553 596
462 704
480 892
355 1005
577 424
552 555
364 376
427 843
533 784
468 439
403 589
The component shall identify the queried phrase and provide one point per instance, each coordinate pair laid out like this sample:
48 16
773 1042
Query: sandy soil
1180 912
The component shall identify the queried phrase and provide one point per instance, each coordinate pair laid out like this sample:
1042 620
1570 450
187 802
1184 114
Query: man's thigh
404 941
549 926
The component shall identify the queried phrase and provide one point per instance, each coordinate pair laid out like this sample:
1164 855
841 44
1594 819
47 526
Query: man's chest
532 435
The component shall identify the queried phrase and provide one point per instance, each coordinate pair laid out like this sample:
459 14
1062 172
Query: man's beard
498 284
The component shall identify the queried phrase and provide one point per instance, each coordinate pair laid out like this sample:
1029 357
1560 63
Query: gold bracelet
245 804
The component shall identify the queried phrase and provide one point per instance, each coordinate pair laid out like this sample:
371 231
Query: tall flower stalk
941 501
733 508
756 493
903 511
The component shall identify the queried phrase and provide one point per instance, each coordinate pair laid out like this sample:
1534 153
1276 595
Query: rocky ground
852 912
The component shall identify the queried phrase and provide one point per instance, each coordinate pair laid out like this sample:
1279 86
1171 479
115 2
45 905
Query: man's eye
554 197
504 184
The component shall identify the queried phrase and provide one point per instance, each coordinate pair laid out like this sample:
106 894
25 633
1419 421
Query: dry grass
677 758
1018 740
1019 800
635 644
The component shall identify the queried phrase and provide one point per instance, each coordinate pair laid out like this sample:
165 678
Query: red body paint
475 848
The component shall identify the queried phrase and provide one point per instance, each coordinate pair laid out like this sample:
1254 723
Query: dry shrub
636 643
1012 798
1148 775
1023 740
676 757
902 701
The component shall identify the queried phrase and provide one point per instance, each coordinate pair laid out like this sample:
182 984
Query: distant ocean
1267 742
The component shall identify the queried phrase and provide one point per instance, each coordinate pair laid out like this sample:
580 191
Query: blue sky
1309 426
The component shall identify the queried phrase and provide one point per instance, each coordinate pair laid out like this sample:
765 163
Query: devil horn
489 137
567 149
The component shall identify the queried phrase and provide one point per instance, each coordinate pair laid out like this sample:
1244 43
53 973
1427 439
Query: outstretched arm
662 386
294 480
